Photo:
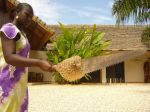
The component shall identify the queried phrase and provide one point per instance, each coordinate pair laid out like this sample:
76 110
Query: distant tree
138 10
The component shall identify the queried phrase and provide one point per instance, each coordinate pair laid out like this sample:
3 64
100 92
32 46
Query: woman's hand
45 66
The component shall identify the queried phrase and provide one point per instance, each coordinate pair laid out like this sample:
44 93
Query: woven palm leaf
70 69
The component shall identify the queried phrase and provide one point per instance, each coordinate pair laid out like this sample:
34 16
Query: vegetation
82 41
138 10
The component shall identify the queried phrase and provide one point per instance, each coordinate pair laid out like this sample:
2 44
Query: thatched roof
99 62
38 32
126 44
127 37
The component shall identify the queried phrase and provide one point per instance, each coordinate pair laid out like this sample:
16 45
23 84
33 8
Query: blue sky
73 11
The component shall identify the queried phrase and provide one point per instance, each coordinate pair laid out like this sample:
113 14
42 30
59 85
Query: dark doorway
146 72
95 77
115 73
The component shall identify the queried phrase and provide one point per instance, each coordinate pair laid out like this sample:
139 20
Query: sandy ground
89 98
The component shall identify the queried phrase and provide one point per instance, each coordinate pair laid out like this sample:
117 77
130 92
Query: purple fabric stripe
24 106
8 83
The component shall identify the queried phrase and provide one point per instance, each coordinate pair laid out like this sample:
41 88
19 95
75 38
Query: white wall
134 71
39 55
133 68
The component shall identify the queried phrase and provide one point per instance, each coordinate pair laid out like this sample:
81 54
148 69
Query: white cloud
51 12
79 12
95 9
91 12
110 4
48 11
104 18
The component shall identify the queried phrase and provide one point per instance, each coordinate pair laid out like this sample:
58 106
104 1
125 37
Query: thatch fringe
99 62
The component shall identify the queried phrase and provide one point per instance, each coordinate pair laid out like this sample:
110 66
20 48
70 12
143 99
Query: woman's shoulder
10 30
9 26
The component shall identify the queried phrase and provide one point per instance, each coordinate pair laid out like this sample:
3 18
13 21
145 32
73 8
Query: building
125 63
127 57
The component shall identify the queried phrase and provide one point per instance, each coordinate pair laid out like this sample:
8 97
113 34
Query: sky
73 11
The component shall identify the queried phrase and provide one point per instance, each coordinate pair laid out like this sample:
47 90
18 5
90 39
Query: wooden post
104 76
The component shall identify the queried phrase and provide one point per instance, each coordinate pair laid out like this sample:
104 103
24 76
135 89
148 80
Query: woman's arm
9 51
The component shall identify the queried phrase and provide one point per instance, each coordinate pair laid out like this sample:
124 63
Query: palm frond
139 10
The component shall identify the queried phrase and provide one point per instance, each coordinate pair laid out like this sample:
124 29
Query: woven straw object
70 69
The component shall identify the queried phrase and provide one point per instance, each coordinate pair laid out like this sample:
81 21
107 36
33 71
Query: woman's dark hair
19 7
4 4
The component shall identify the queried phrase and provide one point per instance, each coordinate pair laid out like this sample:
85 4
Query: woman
14 51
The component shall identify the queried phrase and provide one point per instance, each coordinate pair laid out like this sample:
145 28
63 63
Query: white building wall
134 70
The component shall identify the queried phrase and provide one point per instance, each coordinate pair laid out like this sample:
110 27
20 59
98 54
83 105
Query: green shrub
83 42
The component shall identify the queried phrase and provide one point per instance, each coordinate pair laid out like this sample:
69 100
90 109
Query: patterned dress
13 80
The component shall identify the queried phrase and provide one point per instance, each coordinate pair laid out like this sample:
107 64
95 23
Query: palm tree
139 10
